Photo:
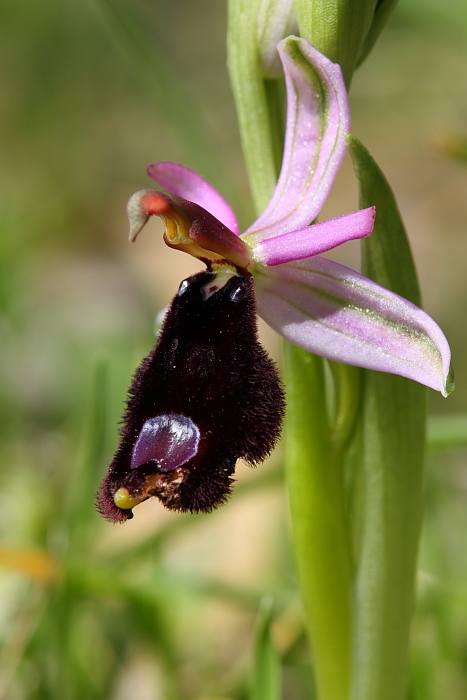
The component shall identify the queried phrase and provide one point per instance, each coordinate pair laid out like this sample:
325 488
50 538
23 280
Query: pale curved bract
338 313
276 20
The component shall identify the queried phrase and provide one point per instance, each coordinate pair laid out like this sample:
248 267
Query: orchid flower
311 301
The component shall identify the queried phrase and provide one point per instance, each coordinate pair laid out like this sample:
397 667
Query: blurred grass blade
445 432
265 682
452 145
88 474
149 615
22 626
139 47
383 11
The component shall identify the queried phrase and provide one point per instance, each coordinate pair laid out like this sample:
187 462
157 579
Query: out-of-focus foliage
165 606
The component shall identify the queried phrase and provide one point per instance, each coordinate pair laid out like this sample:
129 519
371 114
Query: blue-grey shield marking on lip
169 440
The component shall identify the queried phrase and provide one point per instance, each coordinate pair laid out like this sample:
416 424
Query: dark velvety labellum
168 440
206 396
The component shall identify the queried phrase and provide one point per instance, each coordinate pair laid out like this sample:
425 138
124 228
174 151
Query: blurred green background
166 605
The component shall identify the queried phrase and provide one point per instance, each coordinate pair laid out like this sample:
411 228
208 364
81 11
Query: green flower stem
251 99
319 526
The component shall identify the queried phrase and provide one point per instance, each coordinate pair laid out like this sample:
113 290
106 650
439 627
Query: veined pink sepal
338 313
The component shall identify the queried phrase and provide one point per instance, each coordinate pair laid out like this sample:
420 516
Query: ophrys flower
208 378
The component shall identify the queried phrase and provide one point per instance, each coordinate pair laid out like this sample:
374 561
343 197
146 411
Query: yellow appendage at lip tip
124 500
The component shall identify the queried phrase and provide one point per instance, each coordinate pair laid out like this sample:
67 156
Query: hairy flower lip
210 328
206 396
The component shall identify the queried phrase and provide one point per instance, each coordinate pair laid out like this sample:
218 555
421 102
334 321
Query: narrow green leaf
386 254
265 683
389 522
389 509
87 474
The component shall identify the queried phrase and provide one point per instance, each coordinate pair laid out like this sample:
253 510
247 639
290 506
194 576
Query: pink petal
187 184
315 239
317 121
335 312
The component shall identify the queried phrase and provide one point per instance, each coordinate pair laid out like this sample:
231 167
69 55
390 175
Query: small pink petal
186 183
317 120
315 239
338 313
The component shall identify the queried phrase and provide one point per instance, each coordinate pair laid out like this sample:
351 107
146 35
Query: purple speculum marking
170 440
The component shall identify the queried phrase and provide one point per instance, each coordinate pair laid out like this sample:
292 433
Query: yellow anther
124 500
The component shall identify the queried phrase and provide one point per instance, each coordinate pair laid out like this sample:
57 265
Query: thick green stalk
389 508
251 99
319 525
337 28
